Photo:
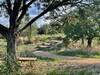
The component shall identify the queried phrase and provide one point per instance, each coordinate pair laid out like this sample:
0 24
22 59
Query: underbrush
51 68
59 68
70 72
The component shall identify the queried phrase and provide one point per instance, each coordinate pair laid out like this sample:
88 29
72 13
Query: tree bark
11 53
30 34
82 41
89 42
11 45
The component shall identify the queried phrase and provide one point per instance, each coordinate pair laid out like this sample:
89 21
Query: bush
66 42
26 53
5 69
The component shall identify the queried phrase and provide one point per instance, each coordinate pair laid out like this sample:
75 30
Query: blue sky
34 12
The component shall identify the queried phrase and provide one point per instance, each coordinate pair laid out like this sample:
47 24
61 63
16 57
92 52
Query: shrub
26 53
66 42
5 69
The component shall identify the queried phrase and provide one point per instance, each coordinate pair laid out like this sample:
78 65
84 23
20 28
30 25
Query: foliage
81 26
66 41
26 53
78 31
29 32
5 68
52 28
43 29
55 28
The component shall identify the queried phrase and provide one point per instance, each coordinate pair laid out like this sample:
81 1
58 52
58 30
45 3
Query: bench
23 59
27 59
30 60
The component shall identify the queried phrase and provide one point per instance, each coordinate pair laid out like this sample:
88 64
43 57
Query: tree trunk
11 53
89 42
82 43
29 35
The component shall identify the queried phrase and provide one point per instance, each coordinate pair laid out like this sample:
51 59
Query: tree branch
50 8
9 6
14 14
2 4
16 7
24 9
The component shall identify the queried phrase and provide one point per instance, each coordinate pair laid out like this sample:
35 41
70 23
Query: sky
34 12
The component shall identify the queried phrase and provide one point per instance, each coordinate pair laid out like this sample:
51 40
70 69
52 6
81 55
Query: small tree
82 29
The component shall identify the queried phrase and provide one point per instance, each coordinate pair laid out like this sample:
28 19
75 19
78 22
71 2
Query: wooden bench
23 59
27 59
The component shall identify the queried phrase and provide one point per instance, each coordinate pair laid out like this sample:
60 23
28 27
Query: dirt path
69 59
50 55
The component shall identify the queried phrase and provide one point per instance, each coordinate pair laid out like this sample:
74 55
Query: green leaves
83 26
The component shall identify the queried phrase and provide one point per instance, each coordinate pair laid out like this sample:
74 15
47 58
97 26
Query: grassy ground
53 44
46 66
59 67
